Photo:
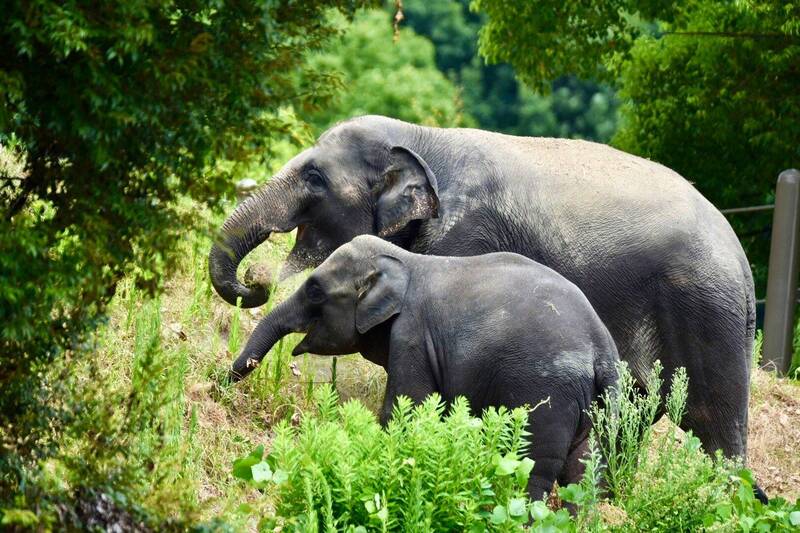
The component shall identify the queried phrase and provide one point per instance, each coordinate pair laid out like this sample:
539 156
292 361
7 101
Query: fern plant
433 468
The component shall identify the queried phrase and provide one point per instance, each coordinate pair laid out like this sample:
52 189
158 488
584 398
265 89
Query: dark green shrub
110 113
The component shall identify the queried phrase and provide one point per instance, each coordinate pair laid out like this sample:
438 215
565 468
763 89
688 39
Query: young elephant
499 329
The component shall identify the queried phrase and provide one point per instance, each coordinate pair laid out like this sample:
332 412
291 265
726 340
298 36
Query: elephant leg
407 376
700 319
553 428
706 329
709 330
574 468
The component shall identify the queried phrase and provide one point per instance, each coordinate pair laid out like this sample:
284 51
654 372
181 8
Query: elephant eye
315 180
315 294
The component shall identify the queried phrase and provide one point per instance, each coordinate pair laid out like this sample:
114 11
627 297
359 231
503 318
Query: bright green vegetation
434 469
340 468
122 128
158 436
708 88
379 76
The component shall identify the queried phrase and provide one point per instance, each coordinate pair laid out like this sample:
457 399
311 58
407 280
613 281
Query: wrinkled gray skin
658 262
436 325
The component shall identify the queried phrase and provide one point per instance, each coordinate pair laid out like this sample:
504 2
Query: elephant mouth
304 345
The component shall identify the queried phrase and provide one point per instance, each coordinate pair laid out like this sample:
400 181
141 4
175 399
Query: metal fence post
783 270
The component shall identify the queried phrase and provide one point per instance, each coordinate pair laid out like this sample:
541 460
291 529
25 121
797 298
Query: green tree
709 88
379 76
111 112
569 107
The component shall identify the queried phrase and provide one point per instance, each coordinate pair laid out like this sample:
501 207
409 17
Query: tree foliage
386 76
545 39
709 88
111 112
720 106
570 107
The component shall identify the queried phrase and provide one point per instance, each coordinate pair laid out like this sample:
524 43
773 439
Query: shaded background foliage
378 76
710 88
494 97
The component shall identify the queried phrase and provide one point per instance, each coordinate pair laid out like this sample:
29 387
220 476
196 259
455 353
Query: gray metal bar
783 270
751 209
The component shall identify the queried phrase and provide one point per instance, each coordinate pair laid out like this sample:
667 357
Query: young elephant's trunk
284 319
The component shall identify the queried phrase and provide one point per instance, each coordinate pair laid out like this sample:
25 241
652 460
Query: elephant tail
605 372
750 309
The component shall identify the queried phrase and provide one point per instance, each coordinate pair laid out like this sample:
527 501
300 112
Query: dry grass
774 434
222 423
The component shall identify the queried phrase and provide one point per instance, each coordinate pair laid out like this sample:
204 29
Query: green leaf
241 467
572 493
523 471
261 472
499 515
746 475
279 476
506 465
794 518
516 507
693 444
724 511
561 519
539 510
268 523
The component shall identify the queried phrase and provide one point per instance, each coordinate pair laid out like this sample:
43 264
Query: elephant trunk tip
222 268
232 377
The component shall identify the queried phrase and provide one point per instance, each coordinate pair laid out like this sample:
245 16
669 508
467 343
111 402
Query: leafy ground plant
434 469
429 470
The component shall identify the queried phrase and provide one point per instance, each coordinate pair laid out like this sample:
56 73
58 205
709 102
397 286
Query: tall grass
153 424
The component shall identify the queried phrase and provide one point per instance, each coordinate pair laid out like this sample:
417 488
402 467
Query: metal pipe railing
751 209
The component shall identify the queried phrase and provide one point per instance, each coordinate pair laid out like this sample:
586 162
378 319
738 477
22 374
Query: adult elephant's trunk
271 209
284 319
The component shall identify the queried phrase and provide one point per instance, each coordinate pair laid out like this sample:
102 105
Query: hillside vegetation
163 432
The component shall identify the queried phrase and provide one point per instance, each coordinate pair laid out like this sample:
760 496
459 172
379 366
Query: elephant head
361 285
361 177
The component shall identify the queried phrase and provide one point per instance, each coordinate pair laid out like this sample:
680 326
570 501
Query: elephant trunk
271 209
284 319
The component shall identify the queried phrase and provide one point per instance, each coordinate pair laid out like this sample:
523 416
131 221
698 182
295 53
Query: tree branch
734 35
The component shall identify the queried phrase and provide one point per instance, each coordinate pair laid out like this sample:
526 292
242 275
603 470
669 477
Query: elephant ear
381 293
408 191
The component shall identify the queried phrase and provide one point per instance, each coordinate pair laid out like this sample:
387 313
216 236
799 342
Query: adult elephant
659 263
